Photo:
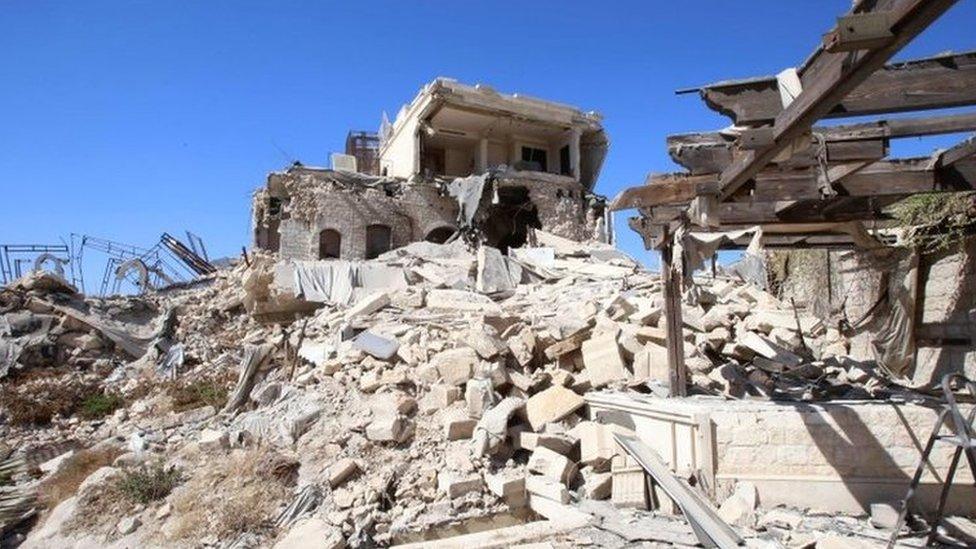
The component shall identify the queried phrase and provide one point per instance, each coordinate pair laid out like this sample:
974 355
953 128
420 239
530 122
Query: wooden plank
827 79
711 152
957 154
712 531
930 83
661 189
674 339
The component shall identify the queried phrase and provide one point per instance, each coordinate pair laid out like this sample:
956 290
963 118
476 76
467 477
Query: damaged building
456 157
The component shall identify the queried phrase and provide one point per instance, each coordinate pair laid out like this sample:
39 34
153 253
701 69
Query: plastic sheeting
340 282
467 191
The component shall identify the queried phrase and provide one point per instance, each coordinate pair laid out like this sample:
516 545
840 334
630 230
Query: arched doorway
378 240
330 244
439 235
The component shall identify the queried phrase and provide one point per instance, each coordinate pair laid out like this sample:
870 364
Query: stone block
368 305
651 363
484 341
440 396
456 366
458 427
211 439
553 404
462 300
456 485
552 465
603 361
390 428
479 396
547 488
341 471
597 446
509 487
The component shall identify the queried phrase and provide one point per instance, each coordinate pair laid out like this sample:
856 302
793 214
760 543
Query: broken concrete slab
462 300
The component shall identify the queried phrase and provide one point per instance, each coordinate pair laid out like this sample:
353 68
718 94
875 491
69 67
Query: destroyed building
817 393
456 155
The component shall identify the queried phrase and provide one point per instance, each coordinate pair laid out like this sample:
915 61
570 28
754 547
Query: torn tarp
467 191
696 248
340 282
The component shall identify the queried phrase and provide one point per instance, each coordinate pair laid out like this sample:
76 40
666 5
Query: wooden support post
677 376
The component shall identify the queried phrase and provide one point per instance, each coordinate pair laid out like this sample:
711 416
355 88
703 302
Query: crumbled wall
822 281
312 201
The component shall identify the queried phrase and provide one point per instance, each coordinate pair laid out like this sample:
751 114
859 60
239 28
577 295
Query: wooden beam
957 154
878 179
931 83
671 286
711 152
827 79
664 189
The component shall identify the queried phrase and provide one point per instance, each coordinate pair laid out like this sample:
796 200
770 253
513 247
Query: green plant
187 395
936 220
36 401
148 483
99 405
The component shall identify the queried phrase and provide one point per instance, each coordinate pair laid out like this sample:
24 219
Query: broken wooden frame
805 186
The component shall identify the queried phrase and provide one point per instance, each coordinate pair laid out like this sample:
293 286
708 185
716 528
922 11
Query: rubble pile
369 402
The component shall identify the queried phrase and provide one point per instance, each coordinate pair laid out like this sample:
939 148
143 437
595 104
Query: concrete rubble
413 408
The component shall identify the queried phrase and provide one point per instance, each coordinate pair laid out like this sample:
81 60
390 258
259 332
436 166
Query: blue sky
127 119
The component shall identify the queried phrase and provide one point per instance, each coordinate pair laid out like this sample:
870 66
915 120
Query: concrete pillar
481 156
574 152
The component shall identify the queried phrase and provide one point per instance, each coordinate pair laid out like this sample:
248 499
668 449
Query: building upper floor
452 129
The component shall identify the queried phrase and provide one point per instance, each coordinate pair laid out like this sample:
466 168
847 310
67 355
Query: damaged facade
536 163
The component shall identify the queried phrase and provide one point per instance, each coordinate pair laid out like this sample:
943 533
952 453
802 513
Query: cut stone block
561 444
368 305
341 471
461 300
597 446
766 348
484 342
456 485
479 396
458 427
651 363
456 366
390 428
552 465
547 488
509 487
211 439
603 361
493 274
553 404
440 396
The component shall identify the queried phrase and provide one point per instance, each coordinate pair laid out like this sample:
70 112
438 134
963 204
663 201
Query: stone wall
308 201
822 282
832 457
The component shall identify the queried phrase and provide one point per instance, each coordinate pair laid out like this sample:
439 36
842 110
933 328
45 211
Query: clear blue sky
126 119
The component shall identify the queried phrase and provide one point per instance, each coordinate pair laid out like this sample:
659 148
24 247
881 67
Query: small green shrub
196 393
99 405
148 483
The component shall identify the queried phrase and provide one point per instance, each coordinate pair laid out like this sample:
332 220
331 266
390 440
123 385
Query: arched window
330 244
378 240
439 235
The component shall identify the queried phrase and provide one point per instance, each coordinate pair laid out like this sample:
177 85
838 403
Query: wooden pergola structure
774 168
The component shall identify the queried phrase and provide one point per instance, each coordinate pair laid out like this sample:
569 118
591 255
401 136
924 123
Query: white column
481 156
574 152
